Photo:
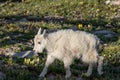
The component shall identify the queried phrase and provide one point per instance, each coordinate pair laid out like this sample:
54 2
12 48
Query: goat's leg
68 72
100 64
49 61
67 64
90 68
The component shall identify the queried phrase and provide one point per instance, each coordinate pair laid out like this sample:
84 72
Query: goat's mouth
35 51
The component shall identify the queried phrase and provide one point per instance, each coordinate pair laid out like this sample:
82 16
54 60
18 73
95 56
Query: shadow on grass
95 22
11 38
59 20
11 0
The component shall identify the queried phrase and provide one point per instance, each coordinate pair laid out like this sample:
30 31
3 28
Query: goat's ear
44 32
39 31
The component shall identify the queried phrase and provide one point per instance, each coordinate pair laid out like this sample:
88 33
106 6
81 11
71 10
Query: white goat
66 45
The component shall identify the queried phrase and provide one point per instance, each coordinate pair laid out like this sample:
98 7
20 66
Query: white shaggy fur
67 45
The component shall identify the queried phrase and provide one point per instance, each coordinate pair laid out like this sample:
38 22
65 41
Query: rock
105 33
24 54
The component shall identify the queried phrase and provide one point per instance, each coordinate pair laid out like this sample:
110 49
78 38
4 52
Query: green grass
72 11
26 18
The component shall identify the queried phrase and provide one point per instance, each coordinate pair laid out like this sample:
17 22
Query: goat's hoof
41 77
87 74
36 55
101 73
68 76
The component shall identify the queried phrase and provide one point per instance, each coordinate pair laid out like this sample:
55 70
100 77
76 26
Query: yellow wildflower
81 2
97 10
32 62
95 4
80 26
37 59
89 26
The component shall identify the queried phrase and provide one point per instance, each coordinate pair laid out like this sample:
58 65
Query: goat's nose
33 49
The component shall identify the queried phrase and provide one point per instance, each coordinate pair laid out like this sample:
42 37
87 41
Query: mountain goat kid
67 45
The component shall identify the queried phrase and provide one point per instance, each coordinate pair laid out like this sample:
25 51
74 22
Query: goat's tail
92 53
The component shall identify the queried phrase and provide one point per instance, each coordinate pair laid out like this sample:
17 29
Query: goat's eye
39 42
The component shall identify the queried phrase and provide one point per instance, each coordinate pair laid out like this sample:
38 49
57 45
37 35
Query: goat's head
39 42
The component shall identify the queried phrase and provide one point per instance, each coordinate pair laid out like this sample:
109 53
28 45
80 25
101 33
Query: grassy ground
25 18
